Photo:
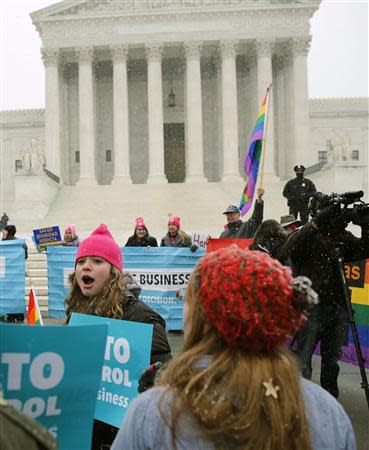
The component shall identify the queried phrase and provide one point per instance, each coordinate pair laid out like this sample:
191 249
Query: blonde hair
109 303
228 397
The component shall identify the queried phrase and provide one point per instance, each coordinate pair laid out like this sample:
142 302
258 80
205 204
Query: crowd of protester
234 384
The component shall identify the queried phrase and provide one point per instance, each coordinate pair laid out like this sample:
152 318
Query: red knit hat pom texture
102 244
247 297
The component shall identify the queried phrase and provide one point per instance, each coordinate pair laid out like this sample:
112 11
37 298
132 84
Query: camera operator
313 251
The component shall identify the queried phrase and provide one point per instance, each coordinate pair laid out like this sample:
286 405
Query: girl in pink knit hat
175 236
99 287
141 236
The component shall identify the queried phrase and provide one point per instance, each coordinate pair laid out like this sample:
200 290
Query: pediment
97 8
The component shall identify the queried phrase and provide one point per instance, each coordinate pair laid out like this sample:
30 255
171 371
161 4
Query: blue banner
60 264
127 355
52 374
12 276
160 272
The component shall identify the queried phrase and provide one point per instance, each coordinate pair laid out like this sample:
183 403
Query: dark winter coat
18 431
298 191
147 241
273 246
312 253
178 242
246 230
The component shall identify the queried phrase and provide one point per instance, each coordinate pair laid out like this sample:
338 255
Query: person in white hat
289 223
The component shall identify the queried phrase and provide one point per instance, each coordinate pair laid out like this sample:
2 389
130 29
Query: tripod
351 320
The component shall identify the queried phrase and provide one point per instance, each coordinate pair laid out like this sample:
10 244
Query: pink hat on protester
175 220
102 244
71 228
140 223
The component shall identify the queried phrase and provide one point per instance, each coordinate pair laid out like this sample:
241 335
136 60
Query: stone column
264 79
52 110
86 117
121 119
301 121
194 143
229 112
155 115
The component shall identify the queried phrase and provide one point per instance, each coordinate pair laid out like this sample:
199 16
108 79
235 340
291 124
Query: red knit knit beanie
102 244
249 298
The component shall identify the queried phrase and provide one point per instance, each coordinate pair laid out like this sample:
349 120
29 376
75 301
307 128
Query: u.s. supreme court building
167 91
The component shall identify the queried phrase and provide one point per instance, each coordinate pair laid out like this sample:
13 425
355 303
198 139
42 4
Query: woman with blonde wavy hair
100 288
235 385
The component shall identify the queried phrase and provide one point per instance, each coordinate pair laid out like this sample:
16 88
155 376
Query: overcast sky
337 63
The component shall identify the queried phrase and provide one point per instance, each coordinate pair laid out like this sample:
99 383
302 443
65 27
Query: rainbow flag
357 278
252 159
34 315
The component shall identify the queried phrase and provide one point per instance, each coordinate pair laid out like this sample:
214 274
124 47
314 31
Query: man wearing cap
237 229
297 192
290 224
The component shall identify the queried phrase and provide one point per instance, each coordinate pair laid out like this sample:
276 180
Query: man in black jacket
313 251
235 228
298 191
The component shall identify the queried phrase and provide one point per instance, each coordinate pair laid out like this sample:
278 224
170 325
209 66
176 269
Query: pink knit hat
101 243
176 221
140 223
71 228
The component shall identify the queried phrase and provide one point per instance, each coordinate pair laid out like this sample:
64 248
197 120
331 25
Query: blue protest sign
60 264
12 276
127 355
52 374
161 272
47 236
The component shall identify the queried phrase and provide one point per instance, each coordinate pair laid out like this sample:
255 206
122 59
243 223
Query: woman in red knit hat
99 287
235 385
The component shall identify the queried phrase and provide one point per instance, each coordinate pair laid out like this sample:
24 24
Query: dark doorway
174 152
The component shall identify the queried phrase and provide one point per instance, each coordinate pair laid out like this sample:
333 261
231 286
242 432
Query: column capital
228 48
119 53
264 47
84 54
193 49
301 45
50 56
154 51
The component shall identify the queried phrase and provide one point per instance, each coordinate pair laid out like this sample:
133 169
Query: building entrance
174 152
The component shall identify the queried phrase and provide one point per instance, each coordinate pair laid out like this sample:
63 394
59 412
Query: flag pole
263 142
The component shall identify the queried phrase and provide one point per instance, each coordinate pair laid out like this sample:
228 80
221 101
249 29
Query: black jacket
137 311
147 241
298 191
246 229
312 253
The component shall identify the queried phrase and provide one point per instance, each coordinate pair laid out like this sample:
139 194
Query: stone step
36 264
40 281
37 272
40 290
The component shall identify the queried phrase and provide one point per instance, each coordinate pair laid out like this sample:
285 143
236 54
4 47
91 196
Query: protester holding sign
235 385
70 236
98 288
175 236
141 236
8 234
